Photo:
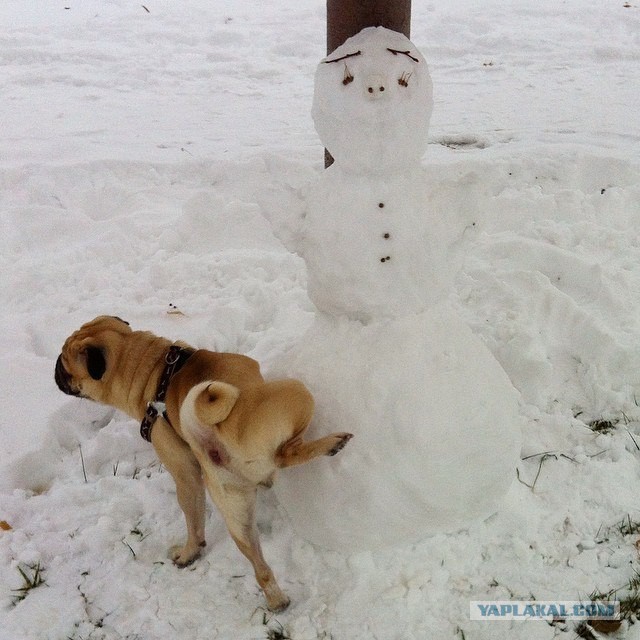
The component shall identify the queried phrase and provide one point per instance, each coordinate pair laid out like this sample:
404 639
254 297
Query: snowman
435 417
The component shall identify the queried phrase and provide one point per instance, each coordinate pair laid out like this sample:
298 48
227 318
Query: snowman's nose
375 86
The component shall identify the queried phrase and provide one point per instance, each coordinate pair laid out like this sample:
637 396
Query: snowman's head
372 102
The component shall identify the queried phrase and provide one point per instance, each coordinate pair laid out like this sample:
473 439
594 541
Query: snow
140 153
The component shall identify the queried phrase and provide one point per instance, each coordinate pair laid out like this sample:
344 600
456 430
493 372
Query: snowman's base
436 425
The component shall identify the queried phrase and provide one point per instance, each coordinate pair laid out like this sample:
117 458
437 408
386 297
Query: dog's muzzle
63 379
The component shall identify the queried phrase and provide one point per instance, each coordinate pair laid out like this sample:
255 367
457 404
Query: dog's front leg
177 457
237 505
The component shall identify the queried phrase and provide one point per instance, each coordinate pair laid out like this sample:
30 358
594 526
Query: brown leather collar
174 361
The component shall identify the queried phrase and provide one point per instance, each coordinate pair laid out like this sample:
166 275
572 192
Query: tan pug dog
224 427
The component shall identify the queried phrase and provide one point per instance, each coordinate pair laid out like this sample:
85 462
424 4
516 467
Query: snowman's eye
403 80
348 78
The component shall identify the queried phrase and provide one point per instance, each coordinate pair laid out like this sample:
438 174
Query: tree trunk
345 18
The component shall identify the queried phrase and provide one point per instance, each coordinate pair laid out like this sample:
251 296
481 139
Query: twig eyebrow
349 55
404 53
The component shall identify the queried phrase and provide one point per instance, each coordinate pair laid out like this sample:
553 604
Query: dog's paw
183 556
341 442
279 604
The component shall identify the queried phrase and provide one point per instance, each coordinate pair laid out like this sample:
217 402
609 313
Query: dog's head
83 366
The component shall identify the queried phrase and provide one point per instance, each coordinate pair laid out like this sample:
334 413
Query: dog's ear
96 362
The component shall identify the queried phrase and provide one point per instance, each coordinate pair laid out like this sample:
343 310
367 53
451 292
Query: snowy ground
143 148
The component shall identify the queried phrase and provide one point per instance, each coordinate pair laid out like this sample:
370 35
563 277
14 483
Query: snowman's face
373 95
376 75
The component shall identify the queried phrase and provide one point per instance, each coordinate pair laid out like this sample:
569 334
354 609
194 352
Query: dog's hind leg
177 457
296 451
237 505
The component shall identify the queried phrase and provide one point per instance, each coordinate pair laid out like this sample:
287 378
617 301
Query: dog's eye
96 363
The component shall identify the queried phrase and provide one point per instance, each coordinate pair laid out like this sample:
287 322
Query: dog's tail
208 403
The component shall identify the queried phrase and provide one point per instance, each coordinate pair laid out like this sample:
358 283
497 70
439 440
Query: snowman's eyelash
404 53
348 77
403 80
349 55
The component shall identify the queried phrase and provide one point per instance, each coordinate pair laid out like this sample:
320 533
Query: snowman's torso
374 248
